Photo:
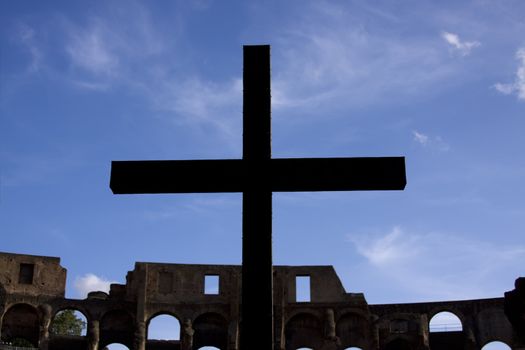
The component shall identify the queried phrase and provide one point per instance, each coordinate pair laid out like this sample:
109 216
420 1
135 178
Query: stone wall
331 319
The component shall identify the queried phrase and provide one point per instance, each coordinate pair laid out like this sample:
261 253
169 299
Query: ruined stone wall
330 319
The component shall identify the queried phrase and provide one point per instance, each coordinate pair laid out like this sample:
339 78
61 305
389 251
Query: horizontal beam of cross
276 175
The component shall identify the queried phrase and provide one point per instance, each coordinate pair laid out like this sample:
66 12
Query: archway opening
211 329
353 330
496 345
353 348
163 328
117 326
209 348
446 331
21 325
445 322
303 331
69 322
115 346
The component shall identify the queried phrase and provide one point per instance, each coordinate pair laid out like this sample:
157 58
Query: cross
257 175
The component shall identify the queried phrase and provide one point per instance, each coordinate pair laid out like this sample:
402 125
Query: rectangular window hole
211 284
26 273
302 288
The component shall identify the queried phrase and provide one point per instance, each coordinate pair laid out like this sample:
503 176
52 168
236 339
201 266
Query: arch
117 326
208 348
353 348
117 346
21 321
353 329
71 315
163 326
398 344
496 345
211 329
304 330
445 321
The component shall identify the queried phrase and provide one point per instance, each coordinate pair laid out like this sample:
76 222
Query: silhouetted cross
257 175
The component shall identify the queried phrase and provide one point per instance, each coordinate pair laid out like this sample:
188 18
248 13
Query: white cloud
391 248
419 137
518 86
439 265
436 142
462 47
90 283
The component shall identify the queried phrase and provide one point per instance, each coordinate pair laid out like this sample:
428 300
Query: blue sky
443 84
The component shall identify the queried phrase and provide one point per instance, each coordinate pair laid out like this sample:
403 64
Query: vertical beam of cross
257 292
257 175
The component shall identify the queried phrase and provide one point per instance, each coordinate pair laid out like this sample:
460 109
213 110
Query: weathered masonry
32 290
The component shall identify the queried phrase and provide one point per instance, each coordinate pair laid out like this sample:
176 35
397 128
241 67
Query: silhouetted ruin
32 290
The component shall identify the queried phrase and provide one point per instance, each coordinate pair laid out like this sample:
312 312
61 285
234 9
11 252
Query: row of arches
495 345
302 331
22 323
117 346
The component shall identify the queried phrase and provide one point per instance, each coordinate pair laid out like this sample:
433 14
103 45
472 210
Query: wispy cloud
90 283
25 35
462 47
435 142
202 102
334 59
518 86
438 265
103 51
419 137
93 49
198 206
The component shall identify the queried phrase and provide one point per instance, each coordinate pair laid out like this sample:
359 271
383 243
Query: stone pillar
375 324
140 336
424 332
93 334
233 335
45 321
331 340
187 335
140 327
468 332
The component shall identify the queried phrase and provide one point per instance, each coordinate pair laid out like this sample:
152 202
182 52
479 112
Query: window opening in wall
302 288
26 273
211 284
445 322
